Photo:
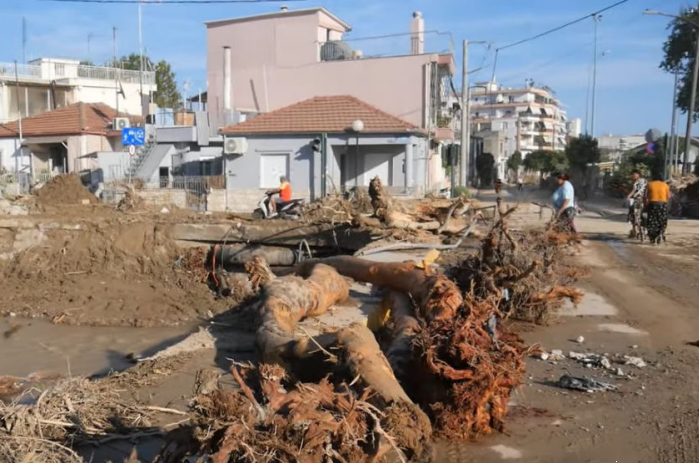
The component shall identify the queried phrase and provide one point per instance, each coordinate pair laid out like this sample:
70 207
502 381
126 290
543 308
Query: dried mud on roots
70 412
268 420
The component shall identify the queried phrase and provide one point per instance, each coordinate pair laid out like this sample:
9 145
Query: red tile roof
323 114
75 119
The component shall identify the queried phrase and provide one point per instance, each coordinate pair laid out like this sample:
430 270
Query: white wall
93 91
9 152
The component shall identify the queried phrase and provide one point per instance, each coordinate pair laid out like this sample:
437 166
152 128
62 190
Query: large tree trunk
287 300
405 327
386 210
437 297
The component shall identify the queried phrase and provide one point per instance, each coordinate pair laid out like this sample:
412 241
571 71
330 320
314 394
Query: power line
551 31
171 2
556 29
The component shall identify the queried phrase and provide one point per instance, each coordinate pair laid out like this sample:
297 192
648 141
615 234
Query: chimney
227 78
417 34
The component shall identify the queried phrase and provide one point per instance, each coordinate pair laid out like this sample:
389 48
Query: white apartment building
529 118
616 145
47 83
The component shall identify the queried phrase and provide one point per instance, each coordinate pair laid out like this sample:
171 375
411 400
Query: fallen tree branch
437 297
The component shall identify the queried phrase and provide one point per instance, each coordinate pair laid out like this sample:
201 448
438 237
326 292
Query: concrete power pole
692 104
597 18
465 120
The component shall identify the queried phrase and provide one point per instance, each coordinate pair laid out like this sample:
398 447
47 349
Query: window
504 126
273 166
511 99
59 69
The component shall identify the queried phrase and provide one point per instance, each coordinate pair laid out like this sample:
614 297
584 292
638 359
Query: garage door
273 166
377 164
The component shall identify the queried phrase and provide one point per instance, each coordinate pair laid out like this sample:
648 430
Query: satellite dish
653 135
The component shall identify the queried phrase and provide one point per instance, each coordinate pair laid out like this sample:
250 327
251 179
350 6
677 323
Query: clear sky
633 94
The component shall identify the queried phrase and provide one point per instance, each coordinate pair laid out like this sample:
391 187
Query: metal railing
400 44
37 71
23 70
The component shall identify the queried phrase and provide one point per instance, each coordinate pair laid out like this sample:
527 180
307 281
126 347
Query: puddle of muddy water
30 346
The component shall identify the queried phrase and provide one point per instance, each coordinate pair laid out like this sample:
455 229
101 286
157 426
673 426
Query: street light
357 127
695 75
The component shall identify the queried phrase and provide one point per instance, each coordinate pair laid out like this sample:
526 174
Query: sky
633 94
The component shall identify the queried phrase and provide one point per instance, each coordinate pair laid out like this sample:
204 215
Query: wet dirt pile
110 274
64 189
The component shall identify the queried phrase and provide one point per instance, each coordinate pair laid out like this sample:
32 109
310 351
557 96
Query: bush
459 191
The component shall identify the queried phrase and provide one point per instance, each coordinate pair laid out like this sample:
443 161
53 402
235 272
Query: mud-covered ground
640 301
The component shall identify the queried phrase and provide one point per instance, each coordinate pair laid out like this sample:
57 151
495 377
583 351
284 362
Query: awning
544 112
562 141
548 125
547 139
44 140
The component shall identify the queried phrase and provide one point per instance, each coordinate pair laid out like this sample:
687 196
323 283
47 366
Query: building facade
262 63
529 118
289 142
46 84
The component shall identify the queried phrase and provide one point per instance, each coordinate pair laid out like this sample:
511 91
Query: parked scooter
289 210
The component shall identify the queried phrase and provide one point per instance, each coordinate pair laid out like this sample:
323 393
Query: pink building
261 63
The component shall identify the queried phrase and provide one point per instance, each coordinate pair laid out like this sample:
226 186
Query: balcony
384 46
48 71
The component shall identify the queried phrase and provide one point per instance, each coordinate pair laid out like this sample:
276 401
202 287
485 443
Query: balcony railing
51 71
384 46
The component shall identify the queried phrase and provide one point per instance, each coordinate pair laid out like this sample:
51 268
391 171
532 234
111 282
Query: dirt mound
109 274
64 189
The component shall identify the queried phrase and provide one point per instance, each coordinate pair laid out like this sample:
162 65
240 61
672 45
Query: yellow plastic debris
429 259
379 316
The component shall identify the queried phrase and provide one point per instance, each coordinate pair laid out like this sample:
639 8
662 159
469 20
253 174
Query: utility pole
24 40
692 105
140 52
19 114
670 151
116 69
596 18
465 120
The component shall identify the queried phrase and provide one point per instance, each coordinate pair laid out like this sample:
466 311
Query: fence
16 183
190 192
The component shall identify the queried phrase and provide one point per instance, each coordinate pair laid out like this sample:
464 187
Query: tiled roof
323 114
75 119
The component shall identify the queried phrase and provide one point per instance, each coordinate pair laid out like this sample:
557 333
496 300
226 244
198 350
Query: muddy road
641 301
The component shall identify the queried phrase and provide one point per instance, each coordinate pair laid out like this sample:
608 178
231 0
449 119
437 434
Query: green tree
679 57
485 167
167 95
514 162
537 161
583 151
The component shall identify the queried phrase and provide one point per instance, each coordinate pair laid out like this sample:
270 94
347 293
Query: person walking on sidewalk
635 200
657 195
564 204
520 183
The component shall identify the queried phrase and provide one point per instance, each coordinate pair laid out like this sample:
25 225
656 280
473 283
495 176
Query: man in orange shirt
284 192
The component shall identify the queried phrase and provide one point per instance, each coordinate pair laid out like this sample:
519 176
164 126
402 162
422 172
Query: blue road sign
133 136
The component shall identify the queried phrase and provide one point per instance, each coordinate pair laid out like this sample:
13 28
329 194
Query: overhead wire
551 31
171 2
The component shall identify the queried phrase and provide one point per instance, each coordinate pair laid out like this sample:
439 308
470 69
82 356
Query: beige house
262 63
59 141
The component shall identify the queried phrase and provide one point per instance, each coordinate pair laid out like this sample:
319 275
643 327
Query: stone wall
165 197
216 200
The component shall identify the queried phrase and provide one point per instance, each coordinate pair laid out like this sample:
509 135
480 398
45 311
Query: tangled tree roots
74 411
476 363
525 270
309 423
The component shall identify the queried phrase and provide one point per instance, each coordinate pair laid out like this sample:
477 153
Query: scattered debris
580 339
557 355
584 384
635 361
